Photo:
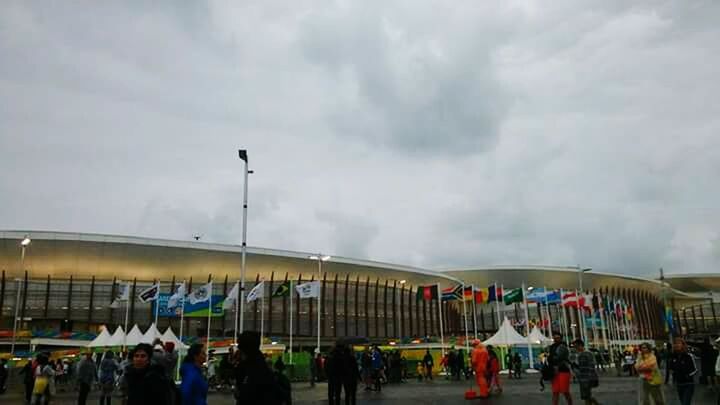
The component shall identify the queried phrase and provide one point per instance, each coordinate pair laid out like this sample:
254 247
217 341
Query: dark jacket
255 384
683 368
86 372
194 388
559 357
148 386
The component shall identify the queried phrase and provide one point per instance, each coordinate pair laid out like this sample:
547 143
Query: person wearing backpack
108 370
194 387
585 372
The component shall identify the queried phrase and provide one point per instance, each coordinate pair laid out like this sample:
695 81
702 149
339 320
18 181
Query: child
419 369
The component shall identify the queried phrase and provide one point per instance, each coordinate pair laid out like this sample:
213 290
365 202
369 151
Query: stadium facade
67 281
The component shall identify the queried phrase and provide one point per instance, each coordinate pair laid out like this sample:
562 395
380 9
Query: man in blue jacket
194 387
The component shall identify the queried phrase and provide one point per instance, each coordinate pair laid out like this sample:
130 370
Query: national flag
481 295
178 297
468 293
257 292
282 290
427 293
308 290
586 300
553 297
123 294
570 299
537 295
495 293
232 296
513 296
669 322
202 294
452 293
150 294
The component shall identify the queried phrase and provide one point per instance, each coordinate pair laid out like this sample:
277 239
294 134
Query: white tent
117 338
506 336
101 339
169 336
537 337
151 334
134 337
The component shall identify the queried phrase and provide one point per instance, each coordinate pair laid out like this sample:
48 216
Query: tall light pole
240 303
320 259
23 245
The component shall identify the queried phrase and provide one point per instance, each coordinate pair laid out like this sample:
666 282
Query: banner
199 310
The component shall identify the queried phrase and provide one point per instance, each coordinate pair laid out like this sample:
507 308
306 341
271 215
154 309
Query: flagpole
182 318
467 335
262 317
243 248
568 325
207 346
291 322
548 328
237 311
497 302
442 334
603 330
527 329
474 308
127 312
319 301
157 305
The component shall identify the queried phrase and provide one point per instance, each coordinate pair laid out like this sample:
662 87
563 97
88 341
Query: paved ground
525 392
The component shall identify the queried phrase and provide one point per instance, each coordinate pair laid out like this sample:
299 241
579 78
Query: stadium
63 285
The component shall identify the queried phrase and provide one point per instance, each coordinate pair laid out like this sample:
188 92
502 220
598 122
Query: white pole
17 307
577 314
467 334
474 309
182 311
603 330
292 292
157 307
442 334
527 328
319 300
548 328
497 303
237 312
127 313
243 247
262 317
568 322
210 293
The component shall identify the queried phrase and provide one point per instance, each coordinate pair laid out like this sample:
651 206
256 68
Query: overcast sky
437 134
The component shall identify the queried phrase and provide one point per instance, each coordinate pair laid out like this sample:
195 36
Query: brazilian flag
282 290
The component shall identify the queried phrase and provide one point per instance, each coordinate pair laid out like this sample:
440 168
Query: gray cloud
505 133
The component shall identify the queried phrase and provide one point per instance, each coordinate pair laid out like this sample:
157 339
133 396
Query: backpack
547 372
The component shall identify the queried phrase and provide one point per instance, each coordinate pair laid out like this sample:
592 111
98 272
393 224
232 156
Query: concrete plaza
612 390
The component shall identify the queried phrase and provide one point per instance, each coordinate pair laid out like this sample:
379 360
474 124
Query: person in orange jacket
480 357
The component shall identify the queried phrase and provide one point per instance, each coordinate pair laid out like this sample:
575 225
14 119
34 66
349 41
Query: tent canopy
102 339
506 336
169 336
537 338
134 337
117 338
151 334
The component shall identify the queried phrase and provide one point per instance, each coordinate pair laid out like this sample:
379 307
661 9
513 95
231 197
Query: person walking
377 366
586 372
494 371
479 361
349 375
194 387
559 360
683 370
86 376
649 370
509 363
109 369
428 364
43 389
708 357
3 375
333 367
255 383
145 383
517 364
28 380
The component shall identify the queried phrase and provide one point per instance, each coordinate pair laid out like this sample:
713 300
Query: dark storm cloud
412 132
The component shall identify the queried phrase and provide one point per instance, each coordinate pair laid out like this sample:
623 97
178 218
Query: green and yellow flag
513 296
282 290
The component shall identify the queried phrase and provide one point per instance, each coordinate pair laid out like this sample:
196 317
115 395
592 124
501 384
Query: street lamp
320 259
240 303
24 243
